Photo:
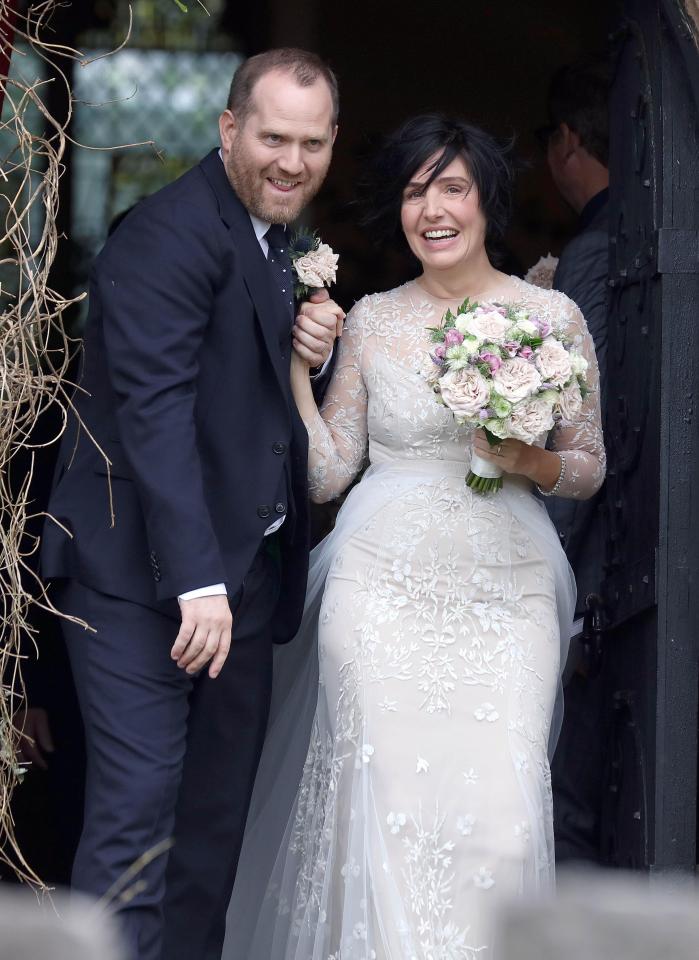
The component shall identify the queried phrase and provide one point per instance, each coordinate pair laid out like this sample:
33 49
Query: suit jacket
185 386
582 274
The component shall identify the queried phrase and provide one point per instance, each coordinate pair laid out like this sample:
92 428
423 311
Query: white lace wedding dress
441 617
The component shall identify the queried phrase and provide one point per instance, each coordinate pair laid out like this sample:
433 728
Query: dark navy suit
578 765
582 274
185 387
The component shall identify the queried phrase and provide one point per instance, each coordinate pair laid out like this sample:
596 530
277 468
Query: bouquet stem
483 477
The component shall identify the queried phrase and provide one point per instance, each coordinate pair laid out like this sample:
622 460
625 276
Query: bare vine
34 356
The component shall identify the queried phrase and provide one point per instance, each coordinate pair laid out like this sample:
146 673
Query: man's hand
317 325
205 634
36 737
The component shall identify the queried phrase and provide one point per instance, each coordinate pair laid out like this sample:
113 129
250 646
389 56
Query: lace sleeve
337 436
581 441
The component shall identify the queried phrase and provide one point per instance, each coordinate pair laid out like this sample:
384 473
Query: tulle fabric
292 899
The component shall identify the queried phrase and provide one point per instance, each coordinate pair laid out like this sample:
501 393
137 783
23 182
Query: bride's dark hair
406 150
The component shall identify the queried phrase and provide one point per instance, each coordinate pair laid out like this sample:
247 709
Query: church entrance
490 62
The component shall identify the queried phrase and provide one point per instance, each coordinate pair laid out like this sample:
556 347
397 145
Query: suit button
280 508
279 448
263 511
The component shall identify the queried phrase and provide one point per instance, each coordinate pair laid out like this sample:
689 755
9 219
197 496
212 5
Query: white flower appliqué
486 711
466 824
395 821
484 879
523 831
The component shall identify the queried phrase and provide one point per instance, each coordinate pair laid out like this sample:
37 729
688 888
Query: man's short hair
304 66
579 97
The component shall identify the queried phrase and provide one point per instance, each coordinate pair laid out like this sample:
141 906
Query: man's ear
228 128
570 140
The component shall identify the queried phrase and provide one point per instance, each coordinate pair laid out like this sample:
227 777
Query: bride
426 673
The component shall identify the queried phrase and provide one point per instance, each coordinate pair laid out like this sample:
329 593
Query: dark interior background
489 62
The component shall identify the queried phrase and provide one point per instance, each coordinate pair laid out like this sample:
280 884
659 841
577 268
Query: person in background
577 151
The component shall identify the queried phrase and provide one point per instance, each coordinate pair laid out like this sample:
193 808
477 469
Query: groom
188 555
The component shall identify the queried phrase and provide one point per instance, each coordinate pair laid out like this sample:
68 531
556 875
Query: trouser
577 771
168 756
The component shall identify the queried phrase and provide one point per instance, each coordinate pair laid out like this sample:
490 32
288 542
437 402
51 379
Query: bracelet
557 485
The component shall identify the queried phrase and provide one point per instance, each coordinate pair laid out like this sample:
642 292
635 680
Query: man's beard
248 183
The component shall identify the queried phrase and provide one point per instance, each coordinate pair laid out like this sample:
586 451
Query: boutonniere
313 262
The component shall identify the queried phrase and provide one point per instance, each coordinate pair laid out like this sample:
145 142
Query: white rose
461 323
471 344
517 379
526 326
465 392
553 362
317 268
579 364
490 326
531 419
570 401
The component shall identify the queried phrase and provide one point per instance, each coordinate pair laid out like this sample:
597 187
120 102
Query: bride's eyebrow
421 184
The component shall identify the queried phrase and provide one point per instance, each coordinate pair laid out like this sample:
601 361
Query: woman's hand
542 467
300 369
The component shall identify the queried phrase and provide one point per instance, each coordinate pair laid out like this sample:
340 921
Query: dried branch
34 356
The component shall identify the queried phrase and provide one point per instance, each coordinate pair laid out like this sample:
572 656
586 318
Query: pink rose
516 380
570 402
531 419
553 362
544 327
465 391
453 338
493 361
431 371
440 351
526 352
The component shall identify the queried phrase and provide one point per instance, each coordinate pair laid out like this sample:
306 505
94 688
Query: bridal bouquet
507 371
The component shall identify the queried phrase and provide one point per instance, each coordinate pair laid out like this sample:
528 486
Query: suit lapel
256 273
